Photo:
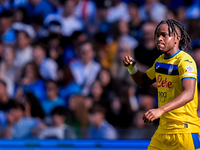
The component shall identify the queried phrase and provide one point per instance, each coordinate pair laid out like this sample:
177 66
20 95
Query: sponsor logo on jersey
163 82
162 96
190 69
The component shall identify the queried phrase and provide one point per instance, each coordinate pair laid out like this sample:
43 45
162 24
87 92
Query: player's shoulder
160 58
184 56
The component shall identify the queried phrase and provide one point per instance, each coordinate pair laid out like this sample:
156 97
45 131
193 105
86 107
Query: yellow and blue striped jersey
169 73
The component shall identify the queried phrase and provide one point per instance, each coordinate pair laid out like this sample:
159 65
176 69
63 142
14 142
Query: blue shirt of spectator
9 36
48 105
105 131
42 9
69 90
37 88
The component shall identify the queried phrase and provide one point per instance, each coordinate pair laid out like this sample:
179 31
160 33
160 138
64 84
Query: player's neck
170 52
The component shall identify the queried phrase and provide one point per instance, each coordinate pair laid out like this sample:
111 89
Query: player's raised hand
128 60
152 115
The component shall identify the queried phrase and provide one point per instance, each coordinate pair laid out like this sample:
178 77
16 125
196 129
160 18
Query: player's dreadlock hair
173 25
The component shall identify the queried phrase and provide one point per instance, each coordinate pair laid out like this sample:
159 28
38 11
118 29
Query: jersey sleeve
151 72
187 69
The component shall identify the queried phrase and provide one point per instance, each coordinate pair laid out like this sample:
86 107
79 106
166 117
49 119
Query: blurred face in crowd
96 118
38 54
72 103
104 77
96 89
5 24
116 105
8 54
2 90
57 120
138 121
86 53
123 51
68 8
52 90
133 10
14 115
22 40
30 72
123 27
146 101
34 2
88 102
148 31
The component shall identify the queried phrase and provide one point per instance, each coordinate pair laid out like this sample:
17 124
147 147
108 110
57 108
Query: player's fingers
124 62
127 59
130 58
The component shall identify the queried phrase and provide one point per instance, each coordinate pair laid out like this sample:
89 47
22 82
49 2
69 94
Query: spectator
85 10
107 82
24 49
55 50
98 93
36 8
86 66
58 129
140 130
147 46
106 52
47 66
5 101
68 86
150 10
8 69
100 23
69 23
118 72
147 98
53 99
31 81
118 11
135 22
20 15
119 112
78 115
100 128
32 106
70 51
7 33
120 32
18 126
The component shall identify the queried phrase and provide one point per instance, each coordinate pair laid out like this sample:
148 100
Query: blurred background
61 73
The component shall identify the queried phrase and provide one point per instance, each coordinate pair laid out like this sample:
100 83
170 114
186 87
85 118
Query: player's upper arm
187 69
189 87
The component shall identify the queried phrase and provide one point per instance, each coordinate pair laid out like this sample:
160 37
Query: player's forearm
138 78
179 101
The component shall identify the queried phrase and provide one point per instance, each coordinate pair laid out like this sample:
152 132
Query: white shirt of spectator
68 24
90 9
119 12
158 12
85 75
48 69
23 56
58 132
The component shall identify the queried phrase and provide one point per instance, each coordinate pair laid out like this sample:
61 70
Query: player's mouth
160 45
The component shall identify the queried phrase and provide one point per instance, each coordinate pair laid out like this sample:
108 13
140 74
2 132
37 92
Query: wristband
132 69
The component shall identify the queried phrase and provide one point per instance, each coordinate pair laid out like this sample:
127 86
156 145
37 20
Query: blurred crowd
61 73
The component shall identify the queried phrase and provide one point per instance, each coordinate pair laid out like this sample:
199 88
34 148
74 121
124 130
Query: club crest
170 69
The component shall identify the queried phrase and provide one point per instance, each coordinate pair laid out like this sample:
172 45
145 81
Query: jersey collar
172 55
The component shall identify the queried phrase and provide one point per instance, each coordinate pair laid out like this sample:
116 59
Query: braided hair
173 26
